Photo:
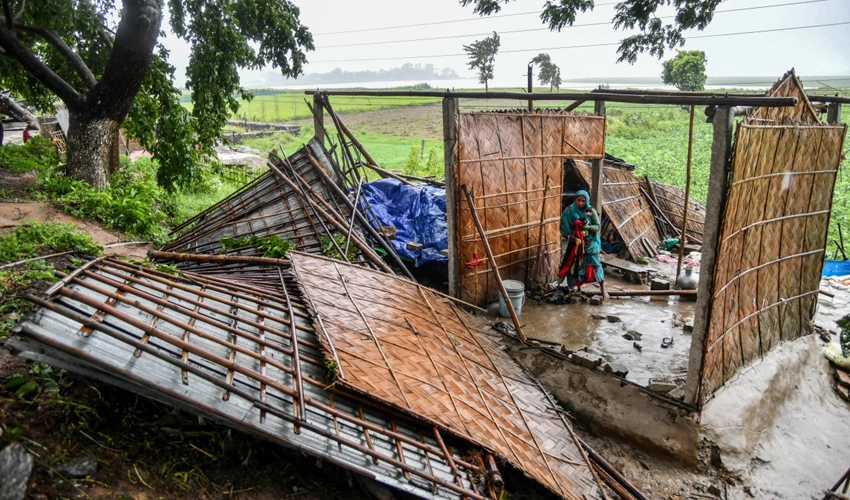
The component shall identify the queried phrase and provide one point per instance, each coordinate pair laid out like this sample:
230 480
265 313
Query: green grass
33 239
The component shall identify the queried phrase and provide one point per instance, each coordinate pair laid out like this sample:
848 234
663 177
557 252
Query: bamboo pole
371 161
541 246
687 195
698 100
493 264
645 293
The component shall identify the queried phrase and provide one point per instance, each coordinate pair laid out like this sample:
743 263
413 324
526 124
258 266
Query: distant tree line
407 72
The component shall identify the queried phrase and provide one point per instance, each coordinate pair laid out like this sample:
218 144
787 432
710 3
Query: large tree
104 62
482 56
550 73
655 36
686 71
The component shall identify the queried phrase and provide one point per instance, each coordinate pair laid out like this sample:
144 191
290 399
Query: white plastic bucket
516 292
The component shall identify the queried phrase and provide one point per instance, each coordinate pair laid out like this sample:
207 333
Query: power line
451 21
603 23
591 45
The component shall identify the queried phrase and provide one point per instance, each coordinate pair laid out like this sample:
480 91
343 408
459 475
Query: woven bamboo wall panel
505 160
671 199
413 349
629 211
770 250
787 86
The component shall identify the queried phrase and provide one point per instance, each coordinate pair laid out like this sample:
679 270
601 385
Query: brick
662 385
659 284
688 327
618 369
596 300
585 359
843 378
678 393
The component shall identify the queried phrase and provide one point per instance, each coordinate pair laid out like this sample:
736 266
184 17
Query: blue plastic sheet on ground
417 212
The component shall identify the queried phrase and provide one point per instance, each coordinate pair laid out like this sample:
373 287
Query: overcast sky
821 50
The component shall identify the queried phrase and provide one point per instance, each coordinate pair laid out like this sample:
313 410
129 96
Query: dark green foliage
655 37
33 239
482 56
272 246
37 154
132 203
686 71
74 42
329 249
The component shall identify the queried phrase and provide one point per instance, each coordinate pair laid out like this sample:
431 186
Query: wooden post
530 101
596 168
450 122
493 264
716 205
318 119
833 113
684 237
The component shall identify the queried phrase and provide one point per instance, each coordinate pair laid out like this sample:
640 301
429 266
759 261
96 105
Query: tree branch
20 11
16 50
72 57
7 12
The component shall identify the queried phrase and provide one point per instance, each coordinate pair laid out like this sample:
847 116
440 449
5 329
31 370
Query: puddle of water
583 325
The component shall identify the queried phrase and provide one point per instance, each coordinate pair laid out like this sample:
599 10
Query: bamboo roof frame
397 341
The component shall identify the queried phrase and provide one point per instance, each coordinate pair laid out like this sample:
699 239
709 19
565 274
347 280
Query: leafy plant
272 246
32 239
132 203
329 249
37 154
844 324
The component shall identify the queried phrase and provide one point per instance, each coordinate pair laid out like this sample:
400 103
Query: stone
598 316
618 369
596 300
412 245
632 335
662 385
843 391
678 394
688 327
585 359
15 469
78 468
659 284
613 319
714 490
843 378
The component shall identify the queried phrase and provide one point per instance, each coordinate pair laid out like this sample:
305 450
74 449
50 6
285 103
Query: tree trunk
486 88
91 145
18 111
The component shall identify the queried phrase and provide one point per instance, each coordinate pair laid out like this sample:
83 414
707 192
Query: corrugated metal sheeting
224 347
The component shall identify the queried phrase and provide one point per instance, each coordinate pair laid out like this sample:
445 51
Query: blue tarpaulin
417 212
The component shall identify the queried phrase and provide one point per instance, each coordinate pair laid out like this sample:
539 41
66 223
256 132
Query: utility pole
530 102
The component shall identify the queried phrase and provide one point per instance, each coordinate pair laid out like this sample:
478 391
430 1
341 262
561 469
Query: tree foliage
550 73
104 63
482 56
686 71
655 36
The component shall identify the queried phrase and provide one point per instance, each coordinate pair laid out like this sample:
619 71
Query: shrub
37 154
33 239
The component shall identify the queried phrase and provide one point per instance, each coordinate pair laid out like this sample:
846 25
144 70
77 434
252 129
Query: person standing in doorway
580 226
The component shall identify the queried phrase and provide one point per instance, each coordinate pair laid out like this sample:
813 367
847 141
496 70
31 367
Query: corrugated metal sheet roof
397 341
223 346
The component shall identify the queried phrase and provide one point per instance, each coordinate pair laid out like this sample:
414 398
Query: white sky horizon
587 50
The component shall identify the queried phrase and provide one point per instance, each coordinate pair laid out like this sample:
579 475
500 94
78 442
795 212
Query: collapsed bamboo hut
252 342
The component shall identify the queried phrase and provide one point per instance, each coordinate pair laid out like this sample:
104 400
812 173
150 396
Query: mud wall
613 408
506 160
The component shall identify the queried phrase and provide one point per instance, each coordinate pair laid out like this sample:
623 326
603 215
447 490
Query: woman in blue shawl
580 226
